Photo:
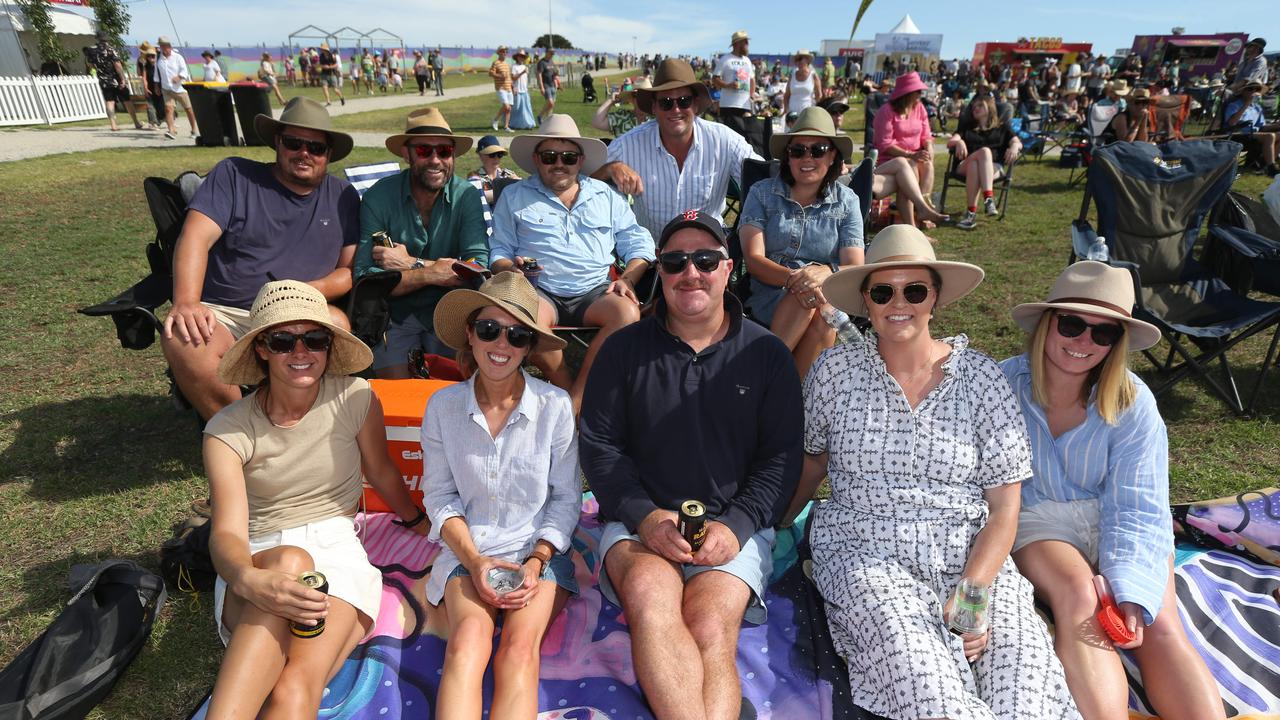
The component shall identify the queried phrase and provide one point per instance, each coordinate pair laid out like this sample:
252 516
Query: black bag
185 561
72 666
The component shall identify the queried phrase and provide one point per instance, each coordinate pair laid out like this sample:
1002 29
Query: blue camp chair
1151 203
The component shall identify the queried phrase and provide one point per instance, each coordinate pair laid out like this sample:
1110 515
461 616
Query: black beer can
693 523
315 581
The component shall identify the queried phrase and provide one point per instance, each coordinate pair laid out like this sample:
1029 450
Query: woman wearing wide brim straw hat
1098 498
804 88
285 466
924 446
520 523
797 229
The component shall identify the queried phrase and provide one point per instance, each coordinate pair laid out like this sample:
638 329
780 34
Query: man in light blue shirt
573 227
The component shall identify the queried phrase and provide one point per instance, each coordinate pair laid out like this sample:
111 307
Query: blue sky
697 26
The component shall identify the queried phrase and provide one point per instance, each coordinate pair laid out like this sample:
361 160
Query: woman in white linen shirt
501 469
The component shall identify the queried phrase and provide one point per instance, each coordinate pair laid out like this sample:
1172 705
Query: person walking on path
330 76
522 107
422 71
437 71
171 72
267 74
548 83
500 71
111 79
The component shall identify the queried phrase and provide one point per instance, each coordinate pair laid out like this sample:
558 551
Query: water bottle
969 609
846 331
1098 250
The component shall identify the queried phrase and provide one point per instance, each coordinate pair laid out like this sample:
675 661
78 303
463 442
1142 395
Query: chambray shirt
575 246
1125 467
513 490
795 236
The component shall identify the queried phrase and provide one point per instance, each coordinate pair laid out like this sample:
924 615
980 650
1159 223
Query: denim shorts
560 570
404 336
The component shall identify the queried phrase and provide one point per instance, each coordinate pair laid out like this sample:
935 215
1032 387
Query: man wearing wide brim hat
251 222
432 218
706 154
574 226
735 78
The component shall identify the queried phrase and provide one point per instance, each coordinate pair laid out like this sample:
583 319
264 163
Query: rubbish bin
252 99
215 117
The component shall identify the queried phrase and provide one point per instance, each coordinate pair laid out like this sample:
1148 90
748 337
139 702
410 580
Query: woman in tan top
285 466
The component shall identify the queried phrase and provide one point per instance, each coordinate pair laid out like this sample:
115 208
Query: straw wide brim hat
908 83
636 86
802 54
900 246
306 113
427 122
519 54
507 290
1092 288
813 121
559 126
1120 87
738 37
672 73
146 48
281 303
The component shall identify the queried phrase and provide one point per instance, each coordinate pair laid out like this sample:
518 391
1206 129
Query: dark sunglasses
518 336
684 102
568 157
497 155
293 143
423 152
280 342
915 293
814 151
674 263
1103 334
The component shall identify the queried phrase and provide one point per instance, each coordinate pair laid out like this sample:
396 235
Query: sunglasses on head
814 151
914 293
1103 334
684 102
293 143
568 157
423 152
280 342
674 263
518 336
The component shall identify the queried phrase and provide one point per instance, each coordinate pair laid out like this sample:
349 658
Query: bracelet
422 515
542 564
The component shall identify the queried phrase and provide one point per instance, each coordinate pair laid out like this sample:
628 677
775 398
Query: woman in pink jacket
905 144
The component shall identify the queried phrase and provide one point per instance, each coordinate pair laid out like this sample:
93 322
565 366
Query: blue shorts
560 570
403 337
753 566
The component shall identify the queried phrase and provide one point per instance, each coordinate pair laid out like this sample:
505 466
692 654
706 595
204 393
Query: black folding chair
1002 183
753 171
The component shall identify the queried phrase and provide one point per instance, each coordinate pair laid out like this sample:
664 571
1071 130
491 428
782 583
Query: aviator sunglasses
518 336
674 263
293 143
1103 334
684 102
914 293
444 152
568 157
814 151
280 342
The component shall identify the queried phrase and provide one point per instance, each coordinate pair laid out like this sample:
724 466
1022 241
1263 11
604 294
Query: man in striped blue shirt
680 162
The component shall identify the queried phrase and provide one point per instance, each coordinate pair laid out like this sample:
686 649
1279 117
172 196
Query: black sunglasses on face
1103 334
568 157
674 263
914 293
293 143
497 155
280 342
814 151
423 152
684 102
518 336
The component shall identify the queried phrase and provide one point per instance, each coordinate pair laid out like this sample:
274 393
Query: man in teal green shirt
434 219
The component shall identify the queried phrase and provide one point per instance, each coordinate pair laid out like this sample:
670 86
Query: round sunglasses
674 263
1103 334
518 336
279 342
914 293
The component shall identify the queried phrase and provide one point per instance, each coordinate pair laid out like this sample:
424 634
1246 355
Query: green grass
472 115
96 463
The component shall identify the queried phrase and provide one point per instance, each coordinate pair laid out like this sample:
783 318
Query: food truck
1035 49
1204 55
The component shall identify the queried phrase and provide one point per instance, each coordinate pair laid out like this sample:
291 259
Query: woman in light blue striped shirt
1098 500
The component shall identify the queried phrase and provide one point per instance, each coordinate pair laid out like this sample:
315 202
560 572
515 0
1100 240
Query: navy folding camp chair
753 171
1151 202
1002 183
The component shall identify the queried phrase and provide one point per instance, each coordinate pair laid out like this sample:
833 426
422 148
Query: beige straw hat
427 122
1094 288
559 126
507 290
280 303
813 121
900 246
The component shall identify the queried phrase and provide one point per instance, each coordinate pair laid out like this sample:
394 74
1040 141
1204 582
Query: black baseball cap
694 219
1260 42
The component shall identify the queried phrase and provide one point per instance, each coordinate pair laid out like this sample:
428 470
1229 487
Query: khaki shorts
182 98
234 319
1074 522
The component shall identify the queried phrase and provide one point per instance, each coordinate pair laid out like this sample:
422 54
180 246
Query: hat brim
778 143
844 289
347 355
905 89
1142 335
395 143
646 96
594 152
340 143
451 313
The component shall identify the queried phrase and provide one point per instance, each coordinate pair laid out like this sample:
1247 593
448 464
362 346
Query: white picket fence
47 99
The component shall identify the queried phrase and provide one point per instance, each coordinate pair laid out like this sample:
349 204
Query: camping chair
1002 183
362 177
1095 128
1168 113
1151 201
753 171
1243 247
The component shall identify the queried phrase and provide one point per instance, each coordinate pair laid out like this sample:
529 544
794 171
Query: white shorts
1074 522
505 97
336 549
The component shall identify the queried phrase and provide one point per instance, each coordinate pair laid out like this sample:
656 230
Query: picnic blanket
788 666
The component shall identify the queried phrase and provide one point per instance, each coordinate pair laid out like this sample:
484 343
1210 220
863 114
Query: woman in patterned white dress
926 449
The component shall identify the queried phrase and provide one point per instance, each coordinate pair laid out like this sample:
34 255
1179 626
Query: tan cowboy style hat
900 246
427 122
559 126
672 73
1096 289
813 121
738 37
281 303
146 48
519 54
507 290
305 113
803 54
1119 87
1140 94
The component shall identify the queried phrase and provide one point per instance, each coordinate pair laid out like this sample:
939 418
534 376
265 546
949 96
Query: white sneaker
989 206
969 221
494 125
168 135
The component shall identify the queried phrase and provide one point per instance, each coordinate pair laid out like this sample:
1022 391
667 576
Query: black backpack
72 666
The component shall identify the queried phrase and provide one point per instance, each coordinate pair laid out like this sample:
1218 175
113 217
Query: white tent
905 26
905 43
21 56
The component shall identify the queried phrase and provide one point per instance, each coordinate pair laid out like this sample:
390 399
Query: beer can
382 239
693 523
315 581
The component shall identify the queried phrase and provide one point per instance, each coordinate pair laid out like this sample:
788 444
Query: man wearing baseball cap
691 403
1253 66
736 81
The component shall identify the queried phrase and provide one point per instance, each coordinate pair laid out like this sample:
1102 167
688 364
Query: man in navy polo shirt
691 403
251 222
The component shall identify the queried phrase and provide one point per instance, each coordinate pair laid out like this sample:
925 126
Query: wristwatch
417 264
